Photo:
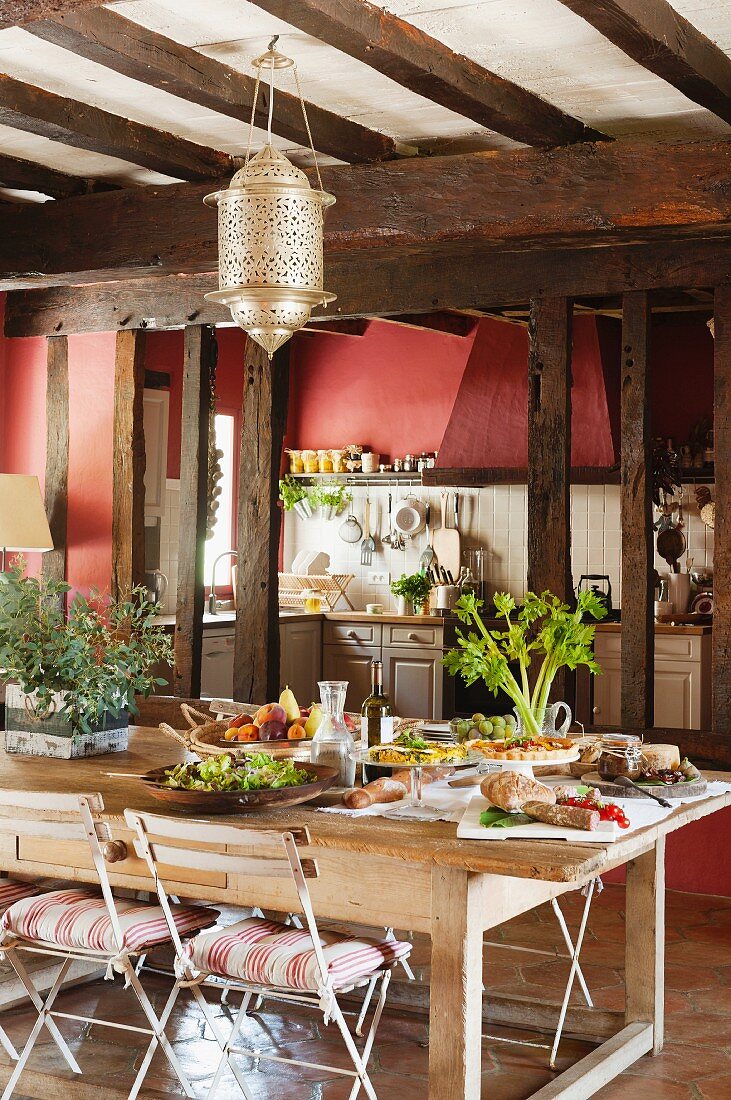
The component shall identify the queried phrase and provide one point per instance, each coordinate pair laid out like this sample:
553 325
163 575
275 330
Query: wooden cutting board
667 790
447 542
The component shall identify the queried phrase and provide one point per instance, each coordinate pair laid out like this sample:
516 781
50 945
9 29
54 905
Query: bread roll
509 790
380 790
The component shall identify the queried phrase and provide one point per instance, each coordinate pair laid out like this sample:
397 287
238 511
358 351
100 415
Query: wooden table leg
645 941
455 1012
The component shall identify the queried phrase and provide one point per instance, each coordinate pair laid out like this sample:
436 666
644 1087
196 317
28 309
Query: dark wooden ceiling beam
419 62
107 38
15 13
24 175
527 198
36 111
383 284
657 37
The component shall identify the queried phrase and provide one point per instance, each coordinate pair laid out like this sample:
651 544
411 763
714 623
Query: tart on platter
532 748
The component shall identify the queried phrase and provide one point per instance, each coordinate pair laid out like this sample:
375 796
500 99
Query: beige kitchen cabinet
411 655
412 679
155 422
351 663
301 658
682 680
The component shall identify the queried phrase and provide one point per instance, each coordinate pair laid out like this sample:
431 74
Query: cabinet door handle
596 710
412 637
352 634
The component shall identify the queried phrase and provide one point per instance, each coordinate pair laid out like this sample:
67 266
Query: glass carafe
547 720
332 744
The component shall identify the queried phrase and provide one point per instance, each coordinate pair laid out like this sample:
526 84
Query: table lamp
23 522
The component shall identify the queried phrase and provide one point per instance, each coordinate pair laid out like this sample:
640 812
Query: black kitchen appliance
601 586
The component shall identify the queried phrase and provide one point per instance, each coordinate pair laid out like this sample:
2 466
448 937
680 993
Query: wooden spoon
671 546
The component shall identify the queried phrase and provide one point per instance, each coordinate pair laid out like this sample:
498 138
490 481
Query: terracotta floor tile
695 1029
717 1089
681 1063
716 1002
634 1088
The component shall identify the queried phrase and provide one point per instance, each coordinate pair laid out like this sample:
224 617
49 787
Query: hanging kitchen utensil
387 539
447 540
409 517
368 545
427 554
351 530
671 546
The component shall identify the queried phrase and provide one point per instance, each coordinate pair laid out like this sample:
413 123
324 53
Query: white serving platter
639 816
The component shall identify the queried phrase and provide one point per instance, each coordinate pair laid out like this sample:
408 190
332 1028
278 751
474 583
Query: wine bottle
376 722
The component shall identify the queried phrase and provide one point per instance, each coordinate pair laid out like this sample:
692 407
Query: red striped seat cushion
268 953
76 918
14 891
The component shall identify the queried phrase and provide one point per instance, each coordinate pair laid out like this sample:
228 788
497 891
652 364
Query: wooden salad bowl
238 802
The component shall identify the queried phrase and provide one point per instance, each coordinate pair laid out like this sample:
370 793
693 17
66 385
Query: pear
312 724
290 704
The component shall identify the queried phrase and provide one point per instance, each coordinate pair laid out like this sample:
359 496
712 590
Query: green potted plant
294 496
412 592
332 496
74 674
543 626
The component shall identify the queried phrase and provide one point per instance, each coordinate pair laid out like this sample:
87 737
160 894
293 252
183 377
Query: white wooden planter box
54 736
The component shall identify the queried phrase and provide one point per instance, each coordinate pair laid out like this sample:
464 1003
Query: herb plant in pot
332 496
412 593
541 628
74 675
295 497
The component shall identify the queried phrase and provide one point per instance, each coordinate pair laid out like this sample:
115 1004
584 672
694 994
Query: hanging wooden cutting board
447 541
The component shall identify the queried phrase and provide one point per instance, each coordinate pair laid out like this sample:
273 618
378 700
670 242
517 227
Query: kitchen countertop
227 618
661 628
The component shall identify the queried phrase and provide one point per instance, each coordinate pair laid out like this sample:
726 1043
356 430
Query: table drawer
353 633
405 635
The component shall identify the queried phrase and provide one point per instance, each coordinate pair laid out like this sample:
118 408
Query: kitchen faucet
212 597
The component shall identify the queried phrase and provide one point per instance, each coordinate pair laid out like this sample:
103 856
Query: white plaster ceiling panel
234 31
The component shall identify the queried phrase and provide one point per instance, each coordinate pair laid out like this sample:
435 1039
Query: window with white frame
223 527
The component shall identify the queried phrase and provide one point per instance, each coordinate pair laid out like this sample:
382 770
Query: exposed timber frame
200 353
638 634
256 641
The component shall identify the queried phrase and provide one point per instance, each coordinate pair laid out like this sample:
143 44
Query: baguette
380 790
569 817
509 790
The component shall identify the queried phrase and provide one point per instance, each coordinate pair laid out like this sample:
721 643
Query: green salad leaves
223 773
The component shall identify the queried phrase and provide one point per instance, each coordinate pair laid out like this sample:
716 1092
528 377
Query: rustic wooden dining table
407 874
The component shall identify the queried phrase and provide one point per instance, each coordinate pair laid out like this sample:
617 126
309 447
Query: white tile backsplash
494 517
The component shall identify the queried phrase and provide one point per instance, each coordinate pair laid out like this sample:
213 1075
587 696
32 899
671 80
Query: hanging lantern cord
307 126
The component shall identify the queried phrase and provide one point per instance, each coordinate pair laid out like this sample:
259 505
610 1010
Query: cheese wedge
661 757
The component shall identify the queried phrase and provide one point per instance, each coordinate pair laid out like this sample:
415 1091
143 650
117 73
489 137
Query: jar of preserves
296 465
620 754
310 462
325 462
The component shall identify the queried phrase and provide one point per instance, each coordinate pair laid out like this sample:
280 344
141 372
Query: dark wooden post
549 451
200 352
722 532
638 636
128 479
256 650
57 454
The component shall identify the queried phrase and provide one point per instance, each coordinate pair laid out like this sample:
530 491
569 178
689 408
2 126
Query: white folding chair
12 891
76 923
259 957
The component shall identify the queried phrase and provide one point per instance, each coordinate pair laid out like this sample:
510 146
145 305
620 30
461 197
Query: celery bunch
541 625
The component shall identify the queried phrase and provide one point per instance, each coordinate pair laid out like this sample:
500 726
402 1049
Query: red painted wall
391 389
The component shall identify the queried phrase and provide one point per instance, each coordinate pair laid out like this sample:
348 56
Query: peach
270 712
296 732
249 732
273 731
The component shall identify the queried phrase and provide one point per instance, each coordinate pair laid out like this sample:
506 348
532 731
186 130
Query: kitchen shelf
468 477
362 479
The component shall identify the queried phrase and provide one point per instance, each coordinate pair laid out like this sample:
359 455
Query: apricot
296 732
270 712
273 731
249 732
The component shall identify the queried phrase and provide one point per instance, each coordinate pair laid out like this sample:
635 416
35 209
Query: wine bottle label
386 725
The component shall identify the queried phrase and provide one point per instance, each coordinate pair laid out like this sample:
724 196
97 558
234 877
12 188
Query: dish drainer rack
328 586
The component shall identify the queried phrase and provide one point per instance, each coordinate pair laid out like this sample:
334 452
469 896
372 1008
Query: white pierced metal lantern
270 229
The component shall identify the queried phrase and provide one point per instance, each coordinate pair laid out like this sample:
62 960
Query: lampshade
23 523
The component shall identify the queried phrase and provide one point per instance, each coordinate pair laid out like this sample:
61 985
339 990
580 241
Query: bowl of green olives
483 727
